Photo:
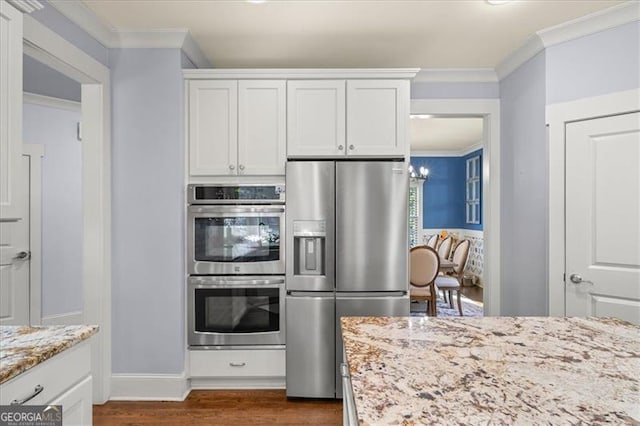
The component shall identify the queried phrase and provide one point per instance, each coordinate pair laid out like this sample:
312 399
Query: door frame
51 49
558 116
489 110
35 152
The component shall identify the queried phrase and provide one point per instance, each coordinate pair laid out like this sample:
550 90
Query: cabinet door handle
241 167
340 147
36 392
351 147
237 364
231 167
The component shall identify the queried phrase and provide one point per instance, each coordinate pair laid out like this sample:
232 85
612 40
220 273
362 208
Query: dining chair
433 241
445 248
423 269
449 283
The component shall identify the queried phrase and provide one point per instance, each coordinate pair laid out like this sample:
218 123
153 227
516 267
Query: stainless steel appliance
347 254
236 310
236 291
235 229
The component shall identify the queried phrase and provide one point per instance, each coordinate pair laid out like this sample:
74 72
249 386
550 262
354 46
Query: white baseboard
151 387
70 318
238 383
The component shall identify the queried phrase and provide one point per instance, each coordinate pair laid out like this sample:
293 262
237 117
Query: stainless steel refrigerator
346 255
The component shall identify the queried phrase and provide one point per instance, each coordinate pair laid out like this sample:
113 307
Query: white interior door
602 217
15 257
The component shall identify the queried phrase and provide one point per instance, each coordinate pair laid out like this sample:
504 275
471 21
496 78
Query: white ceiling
444 134
354 33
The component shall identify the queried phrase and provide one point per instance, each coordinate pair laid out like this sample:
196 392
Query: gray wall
43 80
147 177
454 90
524 194
597 64
61 205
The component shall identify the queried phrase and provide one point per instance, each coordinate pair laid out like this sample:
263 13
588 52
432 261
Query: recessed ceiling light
498 2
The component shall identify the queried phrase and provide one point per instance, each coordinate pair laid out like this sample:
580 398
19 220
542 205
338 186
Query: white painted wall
61 205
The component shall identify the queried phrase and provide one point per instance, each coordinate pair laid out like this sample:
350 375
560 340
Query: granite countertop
23 347
493 370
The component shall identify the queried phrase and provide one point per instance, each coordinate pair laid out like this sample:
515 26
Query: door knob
23 255
351 147
340 147
231 167
577 279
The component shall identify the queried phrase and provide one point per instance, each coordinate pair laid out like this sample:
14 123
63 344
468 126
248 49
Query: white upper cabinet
10 109
237 127
377 117
262 131
316 118
213 127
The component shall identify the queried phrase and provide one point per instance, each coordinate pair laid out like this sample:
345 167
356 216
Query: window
415 210
473 190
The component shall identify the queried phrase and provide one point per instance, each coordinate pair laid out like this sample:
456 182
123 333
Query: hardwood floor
474 293
228 407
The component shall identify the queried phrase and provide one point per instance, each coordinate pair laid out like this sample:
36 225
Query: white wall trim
558 115
35 152
456 75
48 101
150 387
191 48
69 318
295 73
490 110
84 17
54 51
26 6
460 153
590 24
161 38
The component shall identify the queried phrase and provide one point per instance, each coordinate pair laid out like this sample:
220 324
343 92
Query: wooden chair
453 282
433 241
423 269
445 248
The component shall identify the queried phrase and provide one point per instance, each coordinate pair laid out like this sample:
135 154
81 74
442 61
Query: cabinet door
10 108
262 138
377 117
213 127
316 118
77 404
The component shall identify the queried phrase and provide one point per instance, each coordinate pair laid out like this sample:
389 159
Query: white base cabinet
65 379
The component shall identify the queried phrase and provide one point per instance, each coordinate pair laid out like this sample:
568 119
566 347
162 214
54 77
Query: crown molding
595 22
296 73
456 75
109 37
447 153
586 25
26 6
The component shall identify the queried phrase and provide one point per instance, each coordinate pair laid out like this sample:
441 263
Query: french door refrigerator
346 255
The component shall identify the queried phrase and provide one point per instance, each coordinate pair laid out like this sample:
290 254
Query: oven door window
237 239
242 310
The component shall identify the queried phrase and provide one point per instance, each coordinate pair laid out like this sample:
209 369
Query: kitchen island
48 365
493 370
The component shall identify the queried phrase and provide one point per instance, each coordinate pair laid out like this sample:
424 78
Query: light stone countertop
493 370
23 347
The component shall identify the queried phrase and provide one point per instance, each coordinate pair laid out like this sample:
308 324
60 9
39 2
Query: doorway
488 111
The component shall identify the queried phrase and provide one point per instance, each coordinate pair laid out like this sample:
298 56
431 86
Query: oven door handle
208 282
236 209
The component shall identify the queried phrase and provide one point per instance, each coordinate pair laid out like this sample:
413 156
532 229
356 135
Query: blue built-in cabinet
444 194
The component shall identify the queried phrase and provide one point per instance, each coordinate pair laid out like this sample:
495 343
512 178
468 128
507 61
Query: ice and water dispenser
309 239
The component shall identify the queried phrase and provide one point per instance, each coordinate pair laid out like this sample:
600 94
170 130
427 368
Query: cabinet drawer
238 363
55 375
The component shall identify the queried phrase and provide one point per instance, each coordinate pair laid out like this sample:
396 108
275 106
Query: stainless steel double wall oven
236 265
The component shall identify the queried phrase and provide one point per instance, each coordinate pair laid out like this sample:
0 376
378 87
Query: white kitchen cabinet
237 127
64 379
10 109
377 117
316 118
357 118
237 363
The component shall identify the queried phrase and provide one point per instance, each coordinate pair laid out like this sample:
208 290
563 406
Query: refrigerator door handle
310 293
